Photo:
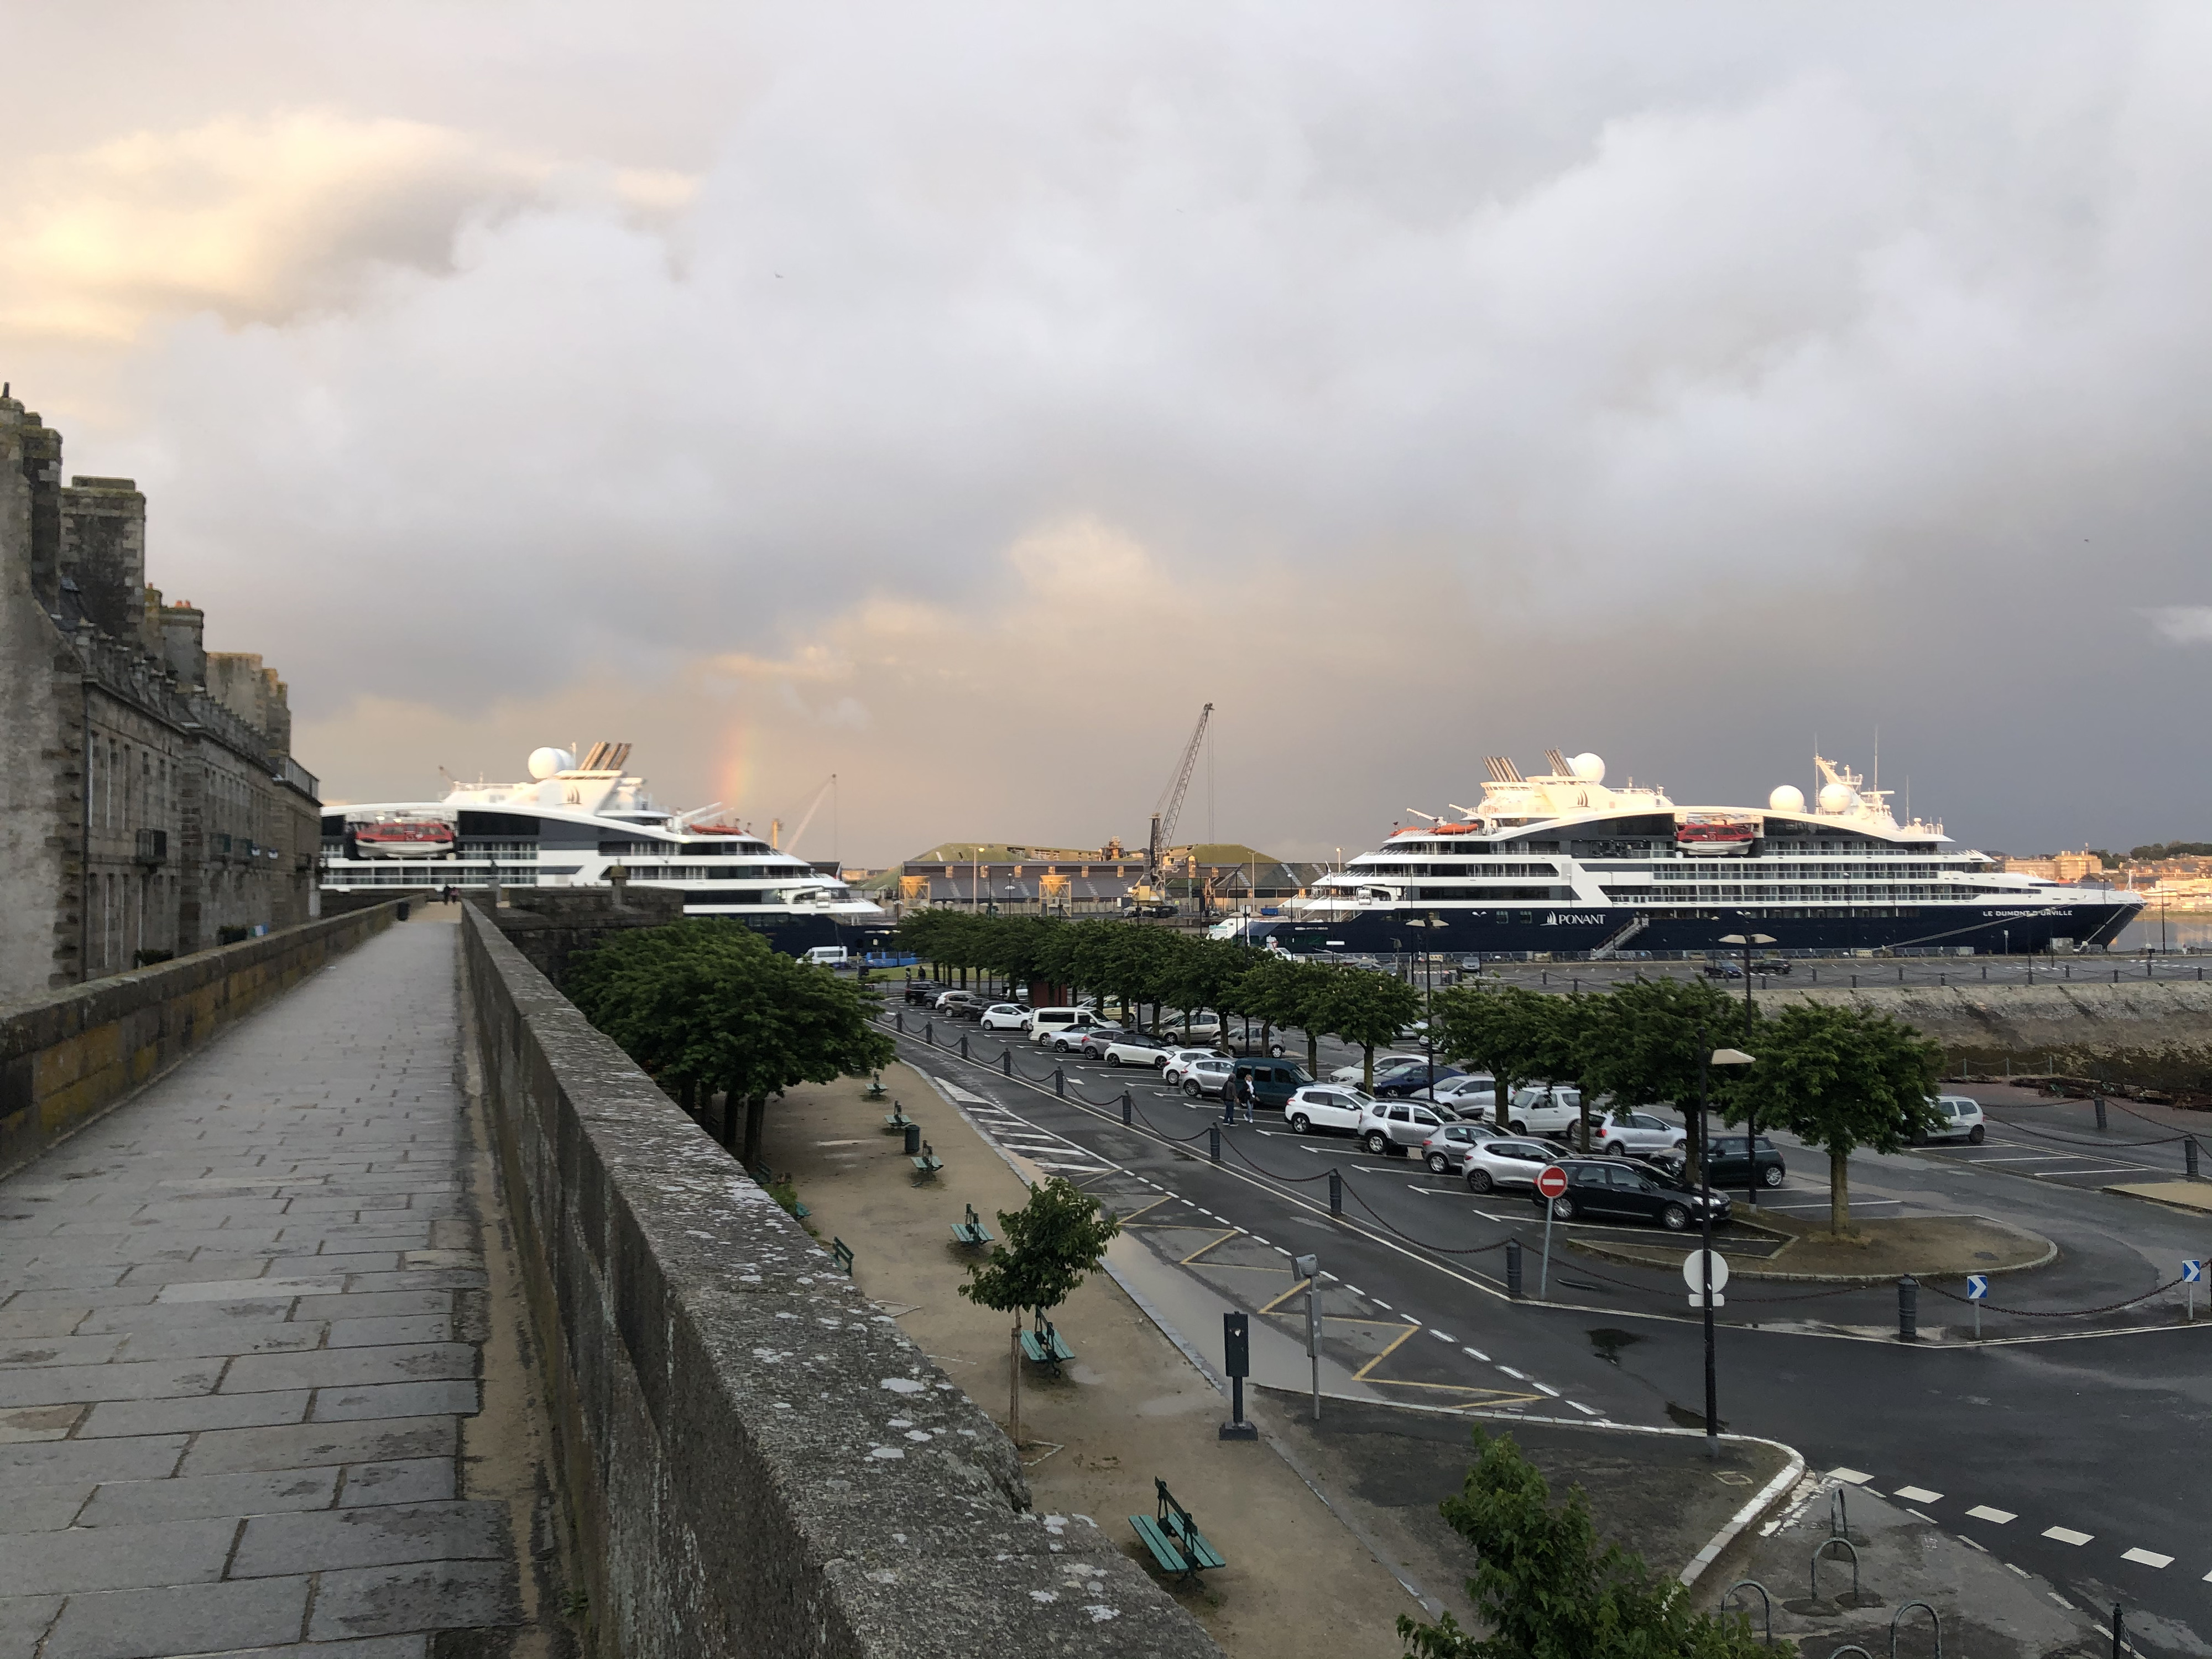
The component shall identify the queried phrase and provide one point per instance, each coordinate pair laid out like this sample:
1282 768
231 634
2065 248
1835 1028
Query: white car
1961 1119
1207 1076
1135 1049
1007 1016
1476 1092
1397 1127
1046 1023
1545 1108
1490 1164
1196 1028
1179 1061
1328 1106
1623 1134
1384 1066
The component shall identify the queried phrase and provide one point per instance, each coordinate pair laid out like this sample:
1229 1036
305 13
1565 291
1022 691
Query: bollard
1513 1268
964 1045
2189 1155
2101 1112
1006 1061
1060 1082
1335 1192
913 1139
1855 982
1908 1309
1213 1141
929 1032
898 1020
1128 1109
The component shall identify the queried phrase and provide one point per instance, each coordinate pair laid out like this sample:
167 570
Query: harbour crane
1170 808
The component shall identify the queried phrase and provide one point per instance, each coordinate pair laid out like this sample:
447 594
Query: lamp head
1733 939
1733 1057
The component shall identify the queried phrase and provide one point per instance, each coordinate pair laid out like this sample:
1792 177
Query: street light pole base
1240 1431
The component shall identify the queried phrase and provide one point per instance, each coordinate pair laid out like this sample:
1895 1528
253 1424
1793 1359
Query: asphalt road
2064 1431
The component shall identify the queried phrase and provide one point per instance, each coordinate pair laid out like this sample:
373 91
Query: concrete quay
257 1393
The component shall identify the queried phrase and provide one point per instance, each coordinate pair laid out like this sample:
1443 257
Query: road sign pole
1551 1184
1310 1267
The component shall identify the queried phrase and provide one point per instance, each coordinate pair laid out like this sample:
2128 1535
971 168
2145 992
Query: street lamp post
1719 1057
1428 997
1751 1123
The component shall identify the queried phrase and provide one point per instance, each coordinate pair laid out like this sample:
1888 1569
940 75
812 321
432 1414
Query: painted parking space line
1995 1516
2147 1558
1920 1494
1850 1477
2068 1535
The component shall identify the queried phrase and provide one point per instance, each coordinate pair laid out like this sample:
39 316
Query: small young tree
1547 1590
1840 1080
1051 1245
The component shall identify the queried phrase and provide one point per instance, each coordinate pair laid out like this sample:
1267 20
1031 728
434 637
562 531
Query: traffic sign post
2192 1272
1551 1182
1310 1267
1977 1287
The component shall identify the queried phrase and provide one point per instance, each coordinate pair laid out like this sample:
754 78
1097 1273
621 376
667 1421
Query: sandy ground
1130 1407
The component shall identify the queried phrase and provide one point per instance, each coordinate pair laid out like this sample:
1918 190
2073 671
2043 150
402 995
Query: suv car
1273 1081
1326 1106
1605 1190
1006 1017
1960 1119
1206 1075
963 1005
1503 1161
1545 1108
1731 1166
1446 1150
1135 1049
1397 1127
923 991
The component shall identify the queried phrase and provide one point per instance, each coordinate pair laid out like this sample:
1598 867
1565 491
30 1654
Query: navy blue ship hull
1565 931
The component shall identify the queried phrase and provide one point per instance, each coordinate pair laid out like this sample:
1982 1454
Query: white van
827 956
1047 1024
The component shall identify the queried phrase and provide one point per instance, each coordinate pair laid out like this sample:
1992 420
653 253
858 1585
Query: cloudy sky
954 398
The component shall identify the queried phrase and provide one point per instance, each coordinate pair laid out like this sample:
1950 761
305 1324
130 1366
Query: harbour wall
758 1459
68 1056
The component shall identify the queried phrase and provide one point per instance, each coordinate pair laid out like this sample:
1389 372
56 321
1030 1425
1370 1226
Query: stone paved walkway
234 1360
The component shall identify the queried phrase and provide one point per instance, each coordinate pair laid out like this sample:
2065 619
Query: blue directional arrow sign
1978 1286
2192 1272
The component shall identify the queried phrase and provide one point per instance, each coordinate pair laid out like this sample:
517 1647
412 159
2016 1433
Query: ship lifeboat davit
1714 837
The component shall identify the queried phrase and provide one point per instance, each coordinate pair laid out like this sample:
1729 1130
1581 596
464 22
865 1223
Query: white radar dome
1837 798
544 762
1787 798
1588 768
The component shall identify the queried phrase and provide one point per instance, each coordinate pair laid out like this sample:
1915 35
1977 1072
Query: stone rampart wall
2069 1015
67 1056
758 1459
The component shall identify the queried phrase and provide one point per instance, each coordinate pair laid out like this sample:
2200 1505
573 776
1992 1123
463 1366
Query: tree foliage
1839 1078
1546 1590
1507 1031
1051 1245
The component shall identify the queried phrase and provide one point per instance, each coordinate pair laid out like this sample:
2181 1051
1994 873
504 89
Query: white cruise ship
569 825
1561 864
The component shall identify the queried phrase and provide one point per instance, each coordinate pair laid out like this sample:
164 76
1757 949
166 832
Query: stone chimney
103 545
184 627
37 457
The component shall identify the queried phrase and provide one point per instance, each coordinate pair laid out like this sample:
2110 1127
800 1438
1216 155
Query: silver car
1444 1150
1206 1076
1624 1134
1397 1127
1505 1161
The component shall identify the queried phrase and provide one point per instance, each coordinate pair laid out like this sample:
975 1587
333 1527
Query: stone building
150 805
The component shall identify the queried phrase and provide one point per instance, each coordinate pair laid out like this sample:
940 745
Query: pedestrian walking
1248 1094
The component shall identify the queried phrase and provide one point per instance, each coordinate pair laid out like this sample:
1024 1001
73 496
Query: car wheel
1277 1051
1437 1163
1518 1126
1300 1123
1977 1135
1616 1149
1563 1208
1192 1090
1674 1219
1478 1181
1376 1141
1771 1175
1113 1059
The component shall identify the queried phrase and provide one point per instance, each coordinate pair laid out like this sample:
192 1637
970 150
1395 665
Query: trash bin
403 909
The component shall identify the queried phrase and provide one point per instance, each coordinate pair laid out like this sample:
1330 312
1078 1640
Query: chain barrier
1288 1181
2060 1313
2077 1140
1440 1249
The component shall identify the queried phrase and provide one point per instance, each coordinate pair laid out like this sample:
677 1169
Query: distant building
2059 866
149 804
1025 880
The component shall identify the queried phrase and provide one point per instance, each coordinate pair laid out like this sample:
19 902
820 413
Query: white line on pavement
1442 1336
2068 1535
1916 1515
1515 1374
1983 1512
2019 1571
1545 1387
1585 1410
1851 1477
1478 1353
1972 1545
1918 1494
2147 1558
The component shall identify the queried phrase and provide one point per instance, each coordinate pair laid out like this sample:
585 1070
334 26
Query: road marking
1851 1477
2068 1535
1515 1374
2052 1174
2147 1558
1256 1239
2021 1572
1916 1516
1983 1512
1380 1304
1920 1494
1585 1410
1331 1277
1972 1545
1545 1387
1478 1353
1440 1335
2054 1596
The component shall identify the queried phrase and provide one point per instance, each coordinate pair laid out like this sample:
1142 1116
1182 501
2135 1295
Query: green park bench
876 1089
898 1119
841 1254
972 1230
926 1162
768 1178
1175 1540
1044 1345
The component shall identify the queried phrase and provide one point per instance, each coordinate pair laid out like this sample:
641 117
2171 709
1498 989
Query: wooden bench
876 1090
1043 1345
841 1254
972 1230
926 1163
1175 1540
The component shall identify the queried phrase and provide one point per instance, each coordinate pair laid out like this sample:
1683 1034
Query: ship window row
1786 894
1468 868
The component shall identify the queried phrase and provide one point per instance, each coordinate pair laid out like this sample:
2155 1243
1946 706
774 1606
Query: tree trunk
1501 1095
1313 1055
1839 1193
1014 1384
728 1122
755 1120
1585 1100
1367 1067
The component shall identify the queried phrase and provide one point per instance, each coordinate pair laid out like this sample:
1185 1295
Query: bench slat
1162 1546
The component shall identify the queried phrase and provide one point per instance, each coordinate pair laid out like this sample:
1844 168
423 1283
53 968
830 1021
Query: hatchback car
1467 1094
1136 1048
1415 1080
1505 1161
1959 1119
1732 1165
1445 1151
1006 1016
1608 1190
1179 1061
1620 1134
1207 1075
1399 1126
1385 1065
1077 1039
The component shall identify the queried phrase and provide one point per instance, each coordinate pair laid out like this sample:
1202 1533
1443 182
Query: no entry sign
1552 1181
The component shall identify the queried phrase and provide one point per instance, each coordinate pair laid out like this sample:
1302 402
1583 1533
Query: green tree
1051 1245
1367 1010
1648 1046
1281 992
1547 1590
1840 1080
1505 1030
706 1003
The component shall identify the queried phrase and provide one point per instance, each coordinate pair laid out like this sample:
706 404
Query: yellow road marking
1203 1249
1360 1375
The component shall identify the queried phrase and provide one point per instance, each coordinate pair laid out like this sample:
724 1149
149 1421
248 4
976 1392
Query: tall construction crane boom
1170 806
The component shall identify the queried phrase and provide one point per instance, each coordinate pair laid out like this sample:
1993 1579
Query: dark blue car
1415 1078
